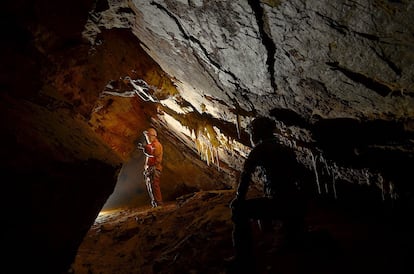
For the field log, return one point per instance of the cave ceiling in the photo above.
(337, 76)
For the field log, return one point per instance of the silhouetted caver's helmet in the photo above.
(262, 128)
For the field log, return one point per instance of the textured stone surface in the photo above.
(172, 239)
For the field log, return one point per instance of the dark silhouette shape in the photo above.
(283, 198)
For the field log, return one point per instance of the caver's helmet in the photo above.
(151, 132)
(262, 128)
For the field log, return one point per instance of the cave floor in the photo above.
(193, 235)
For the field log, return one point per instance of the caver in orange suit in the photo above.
(153, 166)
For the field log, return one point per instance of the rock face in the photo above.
(81, 80)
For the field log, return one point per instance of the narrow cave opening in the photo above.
(130, 188)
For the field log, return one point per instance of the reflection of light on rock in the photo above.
(105, 215)
(208, 141)
(179, 130)
(172, 104)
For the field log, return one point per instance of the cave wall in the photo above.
(48, 144)
(66, 139)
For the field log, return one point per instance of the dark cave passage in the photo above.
(130, 190)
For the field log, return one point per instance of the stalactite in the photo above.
(316, 171)
(324, 170)
(326, 188)
(367, 177)
(207, 150)
(206, 155)
(210, 151)
(238, 125)
(334, 187)
(217, 159)
(381, 182)
(393, 194)
(333, 171)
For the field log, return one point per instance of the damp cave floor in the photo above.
(193, 235)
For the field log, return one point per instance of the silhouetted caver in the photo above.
(153, 151)
(282, 196)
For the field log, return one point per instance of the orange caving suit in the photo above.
(154, 168)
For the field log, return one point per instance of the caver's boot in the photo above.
(154, 203)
